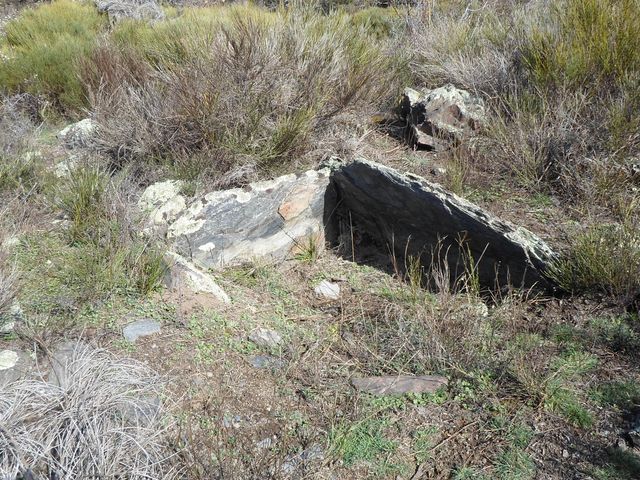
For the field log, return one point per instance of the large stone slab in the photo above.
(267, 220)
(409, 215)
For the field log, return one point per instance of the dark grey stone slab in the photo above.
(409, 215)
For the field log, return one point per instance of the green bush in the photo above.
(585, 43)
(42, 48)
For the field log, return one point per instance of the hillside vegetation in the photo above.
(221, 94)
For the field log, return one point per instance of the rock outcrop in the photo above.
(268, 220)
(118, 10)
(436, 119)
(411, 216)
(163, 203)
(77, 135)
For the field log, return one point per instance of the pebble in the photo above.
(8, 359)
(140, 328)
(264, 337)
(328, 290)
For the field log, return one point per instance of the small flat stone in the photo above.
(7, 328)
(265, 337)
(398, 384)
(293, 462)
(328, 290)
(8, 359)
(266, 361)
(140, 328)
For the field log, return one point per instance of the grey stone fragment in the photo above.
(266, 361)
(412, 215)
(294, 462)
(328, 290)
(267, 220)
(8, 359)
(14, 365)
(398, 384)
(140, 328)
(184, 274)
(265, 338)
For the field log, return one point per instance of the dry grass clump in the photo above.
(604, 258)
(104, 418)
(8, 287)
(105, 233)
(248, 89)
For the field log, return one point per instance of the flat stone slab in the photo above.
(390, 385)
(266, 361)
(410, 216)
(140, 328)
(268, 220)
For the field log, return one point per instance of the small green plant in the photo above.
(619, 333)
(515, 464)
(24, 173)
(308, 250)
(468, 473)
(82, 200)
(623, 394)
(424, 441)
(363, 440)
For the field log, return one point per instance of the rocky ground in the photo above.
(264, 358)
(396, 303)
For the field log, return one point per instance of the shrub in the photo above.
(560, 80)
(245, 88)
(41, 50)
(585, 43)
(105, 417)
(603, 258)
